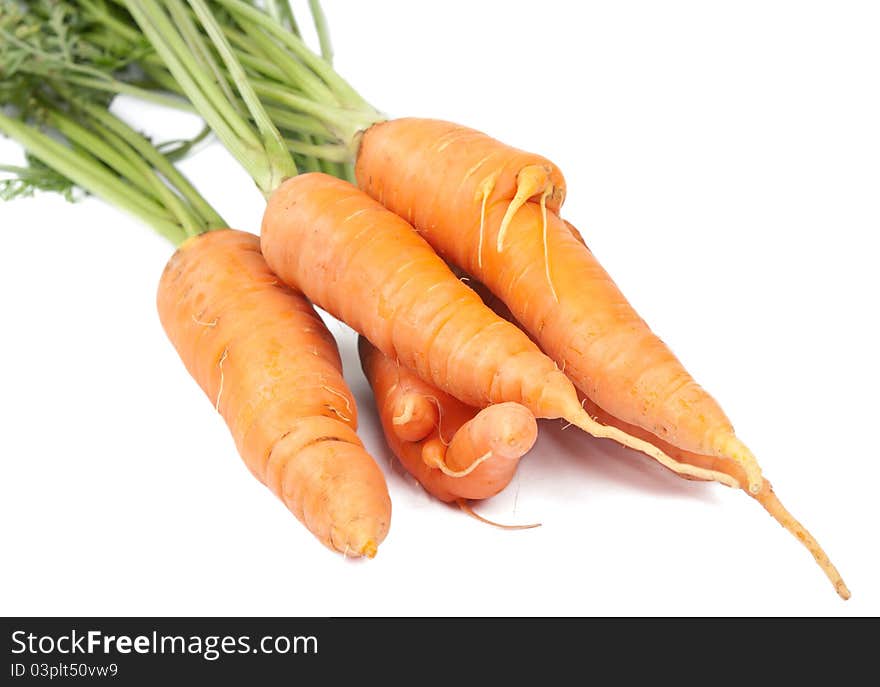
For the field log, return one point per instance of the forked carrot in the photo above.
(466, 453)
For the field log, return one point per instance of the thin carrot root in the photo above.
(768, 499)
(544, 241)
(483, 192)
(414, 416)
(344, 398)
(406, 414)
(220, 389)
(591, 426)
(432, 455)
(466, 507)
(531, 181)
(731, 447)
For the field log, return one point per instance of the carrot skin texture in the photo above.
(463, 435)
(578, 316)
(367, 267)
(271, 368)
(463, 163)
(507, 430)
(565, 300)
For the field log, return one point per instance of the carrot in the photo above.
(265, 359)
(766, 497)
(712, 464)
(256, 347)
(467, 453)
(483, 206)
(551, 282)
(365, 265)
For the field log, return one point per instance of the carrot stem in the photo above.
(281, 11)
(320, 20)
(160, 162)
(281, 163)
(206, 96)
(91, 175)
(346, 94)
(294, 71)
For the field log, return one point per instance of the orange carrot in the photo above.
(365, 265)
(267, 362)
(468, 453)
(256, 347)
(469, 170)
(468, 195)
(713, 464)
(483, 206)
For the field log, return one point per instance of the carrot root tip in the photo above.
(467, 509)
(771, 503)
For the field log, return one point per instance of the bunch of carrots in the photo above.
(479, 308)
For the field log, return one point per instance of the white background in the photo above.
(723, 161)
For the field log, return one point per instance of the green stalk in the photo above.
(297, 122)
(89, 174)
(205, 96)
(301, 91)
(126, 144)
(345, 93)
(329, 152)
(117, 87)
(283, 118)
(182, 18)
(94, 145)
(106, 17)
(269, 81)
(281, 12)
(295, 72)
(159, 161)
(259, 64)
(321, 27)
(344, 124)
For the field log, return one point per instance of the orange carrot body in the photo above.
(367, 267)
(552, 283)
(712, 464)
(464, 166)
(497, 436)
(265, 359)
